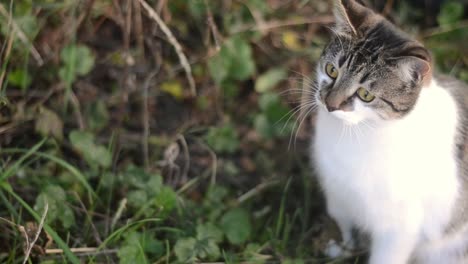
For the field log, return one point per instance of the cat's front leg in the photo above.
(393, 246)
(345, 225)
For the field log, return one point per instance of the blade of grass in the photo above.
(15, 167)
(120, 231)
(75, 172)
(279, 224)
(66, 250)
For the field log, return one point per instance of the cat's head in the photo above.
(370, 69)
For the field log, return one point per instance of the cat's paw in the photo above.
(335, 250)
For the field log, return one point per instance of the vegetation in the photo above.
(170, 132)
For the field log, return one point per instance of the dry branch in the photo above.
(39, 229)
(182, 58)
(22, 36)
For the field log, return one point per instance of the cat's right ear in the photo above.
(352, 18)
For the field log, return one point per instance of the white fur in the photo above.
(396, 180)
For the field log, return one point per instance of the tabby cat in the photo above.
(390, 145)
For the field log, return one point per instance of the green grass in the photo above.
(219, 182)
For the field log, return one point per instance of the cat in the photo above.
(390, 145)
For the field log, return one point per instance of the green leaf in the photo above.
(137, 198)
(233, 62)
(293, 261)
(48, 123)
(166, 199)
(274, 120)
(451, 13)
(78, 60)
(98, 115)
(28, 24)
(133, 249)
(95, 155)
(242, 65)
(154, 185)
(219, 66)
(252, 254)
(20, 78)
(55, 197)
(209, 231)
(184, 250)
(236, 225)
(207, 249)
(223, 139)
(136, 177)
(174, 88)
(213, 201)
(272, 107)
(269, 79)
(263, 126)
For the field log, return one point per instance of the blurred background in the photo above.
(143, 131)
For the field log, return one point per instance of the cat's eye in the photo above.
(331, 71)
(365, 95)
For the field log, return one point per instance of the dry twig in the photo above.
(269, 25)
(22, 36)
(39, 229)
(145, 117)
(182, 58)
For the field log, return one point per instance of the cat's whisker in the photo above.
(300, 124)
(341, 133)
(295, 128)
(291, 114)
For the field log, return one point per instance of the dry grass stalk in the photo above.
(182, 58)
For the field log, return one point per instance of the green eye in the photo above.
(365, 95)
(331, 71)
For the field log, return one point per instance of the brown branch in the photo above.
(269, 25)
(22, 36)
(182, 58)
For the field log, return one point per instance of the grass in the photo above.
(107, 154)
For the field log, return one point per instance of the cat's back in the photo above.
(459, 91)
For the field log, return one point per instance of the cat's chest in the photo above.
(391, 162)
(362, 151)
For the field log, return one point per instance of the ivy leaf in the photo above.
(223, 139)
(233, 62)
(184, 250)
(451, 13)
(98, 115)
(273, 121)
(219, 66)
(209, 231)
(55, 197)
(20, 78)
(236, 225)
(136, 246)
(269, 79)
(166, 200)
(48, 123)
(78, 60)
(154, 185)
(242, 64)
(136, 198)
(207, 249)
(95, 155)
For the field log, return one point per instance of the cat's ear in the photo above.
(415, 69)
(352, 17)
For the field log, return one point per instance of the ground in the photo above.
(172, 132)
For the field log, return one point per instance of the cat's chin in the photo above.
(348, 118)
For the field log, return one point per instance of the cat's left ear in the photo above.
(352, 18)
(415, 69)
